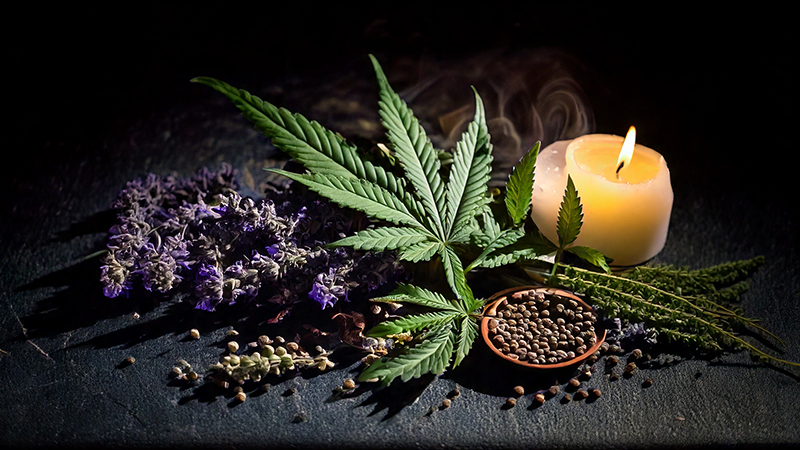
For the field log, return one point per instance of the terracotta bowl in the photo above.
(496, 302)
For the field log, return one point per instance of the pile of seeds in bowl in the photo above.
(540, 328)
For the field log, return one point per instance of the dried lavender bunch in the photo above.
(148, 240)
(227, 248)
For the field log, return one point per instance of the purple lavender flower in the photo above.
(328, 288)
(115, 277)
(209, 287)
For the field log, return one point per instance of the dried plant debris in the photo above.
(269, 360)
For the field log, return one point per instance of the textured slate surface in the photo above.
(100, 102)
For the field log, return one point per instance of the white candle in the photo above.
(625, 210)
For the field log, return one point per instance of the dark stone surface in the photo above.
(95, 99)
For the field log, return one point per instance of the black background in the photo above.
(96, 97)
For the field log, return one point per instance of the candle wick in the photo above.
(622, 163)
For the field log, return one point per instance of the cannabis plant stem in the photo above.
(555, 264)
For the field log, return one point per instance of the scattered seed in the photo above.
(136, 316)
(446, 403)
(611, 360)
(511, 402)
(596, 392)
(349, 384)
(555, 389)
(194, 333)
(233, 332)
(539, 398)
(636, 353)
(454, 393)
(241, 397)
(647, 383)
(519, 390)
(130, 360)
(299, 417)
(630, 367)
(581, 394)
(574, 382)
(566, 398)
(191, 375)
(233, 346)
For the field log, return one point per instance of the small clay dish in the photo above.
(541, 328)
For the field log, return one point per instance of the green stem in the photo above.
(556, 260)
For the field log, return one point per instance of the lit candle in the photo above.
(624, 188)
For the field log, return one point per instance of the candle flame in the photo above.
(626, 152)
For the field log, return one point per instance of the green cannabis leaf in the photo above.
(570, 216)
(568, 227)
(433, 216)
(448, 333)
(520, 187)
(429, 215)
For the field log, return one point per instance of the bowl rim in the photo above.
(494, 301)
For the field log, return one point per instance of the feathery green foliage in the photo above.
(646, 295)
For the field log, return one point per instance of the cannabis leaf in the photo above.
(568, 227)
(448, 332)
(520, 187)
(433, 216)
(423, 215)
(430, 355)
(570, 216)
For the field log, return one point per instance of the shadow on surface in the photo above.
(80, 301)
(396, 396)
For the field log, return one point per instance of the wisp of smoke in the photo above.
(529, 96)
